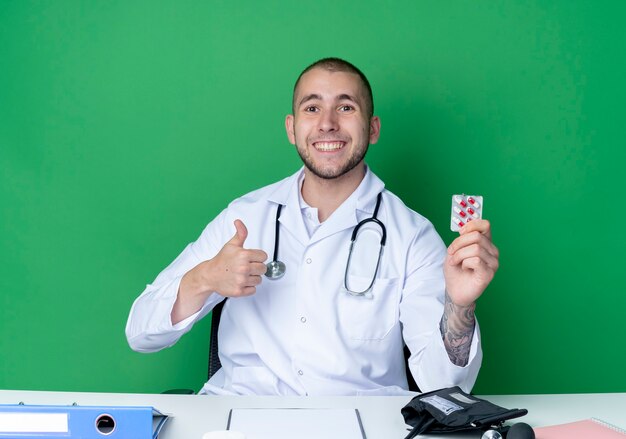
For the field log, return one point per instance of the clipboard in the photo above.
(303, 423)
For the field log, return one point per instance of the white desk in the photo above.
(194, 415)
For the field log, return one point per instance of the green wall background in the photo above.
(126, 126)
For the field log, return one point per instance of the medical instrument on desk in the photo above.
(276, 269)
(519, 430)
(451, 410)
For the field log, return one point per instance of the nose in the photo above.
(329, 122)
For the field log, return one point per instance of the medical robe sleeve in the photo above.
(421, 309)
(149, 327)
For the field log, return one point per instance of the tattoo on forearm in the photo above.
(457, 328)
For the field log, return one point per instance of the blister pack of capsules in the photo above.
(465, 208)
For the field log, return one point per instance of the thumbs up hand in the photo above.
(236, 271)
(241, 234)
(233, 272)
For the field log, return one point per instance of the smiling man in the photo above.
(337, 321)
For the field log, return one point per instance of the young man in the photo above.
(326, 327)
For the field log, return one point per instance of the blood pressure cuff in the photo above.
(451, 409)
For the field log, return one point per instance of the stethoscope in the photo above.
(276, 269)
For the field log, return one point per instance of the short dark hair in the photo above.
(339, 65)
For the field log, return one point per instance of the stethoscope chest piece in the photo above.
(275, 270)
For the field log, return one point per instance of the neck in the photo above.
(328, 194)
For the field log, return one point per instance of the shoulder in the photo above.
(275, 192)
(408, 226)
(251, 208)
(398, 211)
(392, 209)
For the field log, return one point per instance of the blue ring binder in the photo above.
(84, 422)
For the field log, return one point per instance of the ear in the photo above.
(291, 135)
(374, 129)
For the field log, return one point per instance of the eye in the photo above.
(345, 108)
(311, 109)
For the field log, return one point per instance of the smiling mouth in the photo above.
(328, 146)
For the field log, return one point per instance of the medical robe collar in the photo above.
(362, 199)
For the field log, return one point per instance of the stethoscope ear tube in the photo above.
(375, 220)
(383, 240)
(345, 276)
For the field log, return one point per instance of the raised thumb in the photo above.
(240, 235)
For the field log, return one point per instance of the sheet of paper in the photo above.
(301, 423)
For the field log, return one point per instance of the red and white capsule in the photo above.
(473, 202)
(459, 212)
(457, 221)
(460, 201)
(472, 212)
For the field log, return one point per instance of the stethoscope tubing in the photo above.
(276, 233)
(383, 241)
(276, 269)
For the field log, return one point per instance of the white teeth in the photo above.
(328, 146)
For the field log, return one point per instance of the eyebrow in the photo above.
(315, 96)
(310, 97)
(347, 97)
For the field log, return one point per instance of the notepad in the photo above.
(587, 429)
(301, 423)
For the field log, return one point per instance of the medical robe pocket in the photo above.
(371, 316)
